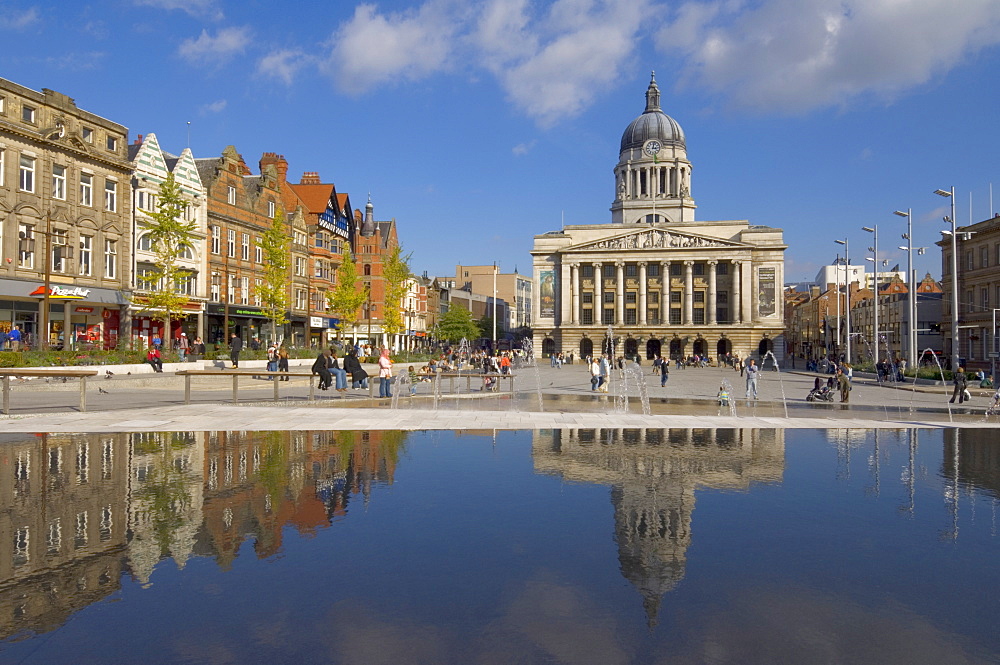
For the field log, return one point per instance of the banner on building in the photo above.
(547, 293)
(765, 292)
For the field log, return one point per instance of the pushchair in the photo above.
(822, 394)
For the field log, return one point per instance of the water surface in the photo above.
(559, 546)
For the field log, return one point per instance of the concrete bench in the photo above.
(468, 376)
(55, 372)
(236, 374)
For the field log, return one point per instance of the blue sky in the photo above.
(480, 123)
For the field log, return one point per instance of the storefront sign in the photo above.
(84, 310)
(62, 292)
(317, 322)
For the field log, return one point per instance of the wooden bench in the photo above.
(54, 372)
(236, 374)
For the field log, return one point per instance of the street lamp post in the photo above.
(950, 194)
(911, 299)
(837, 263)
(874, 260)
(847, 281)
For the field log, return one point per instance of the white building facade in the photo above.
(663, 282)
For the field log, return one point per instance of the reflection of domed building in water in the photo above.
(654, 474)
(667, 283)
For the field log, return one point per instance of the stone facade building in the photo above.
(978, 293)
(152, 166)
(661, 281)
(65, 218)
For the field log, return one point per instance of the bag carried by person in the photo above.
(967, 394)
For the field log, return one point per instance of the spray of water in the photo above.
(781, 382)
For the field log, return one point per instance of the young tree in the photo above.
(345, 299)
(273, 290)
(396, 272)
(457, 323)
(170, 237)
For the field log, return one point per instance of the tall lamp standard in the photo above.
(874, 260)
(954, 277)
(847, 282)
(911, 298)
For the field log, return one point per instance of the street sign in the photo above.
(994, 354)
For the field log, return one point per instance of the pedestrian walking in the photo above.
(183, 346)
(961, 385)
(595, 374)
(664, 374)
(752, 372)
(283, 362)
(235, 346)
(603, 374)
(272, 359)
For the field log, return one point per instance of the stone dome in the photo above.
(652, 124)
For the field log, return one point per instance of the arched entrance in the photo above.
(631, 347)
(765, 345)
(699, 347)
(586, 347)
(653, 348)
(548, 346)
(676, 348)
(723, 347)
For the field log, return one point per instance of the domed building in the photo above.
(663, 282)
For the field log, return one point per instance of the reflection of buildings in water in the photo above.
(978, 459)
(79, 510)
(258, 482)
(166, 490)
(63, 519)
(654, 474)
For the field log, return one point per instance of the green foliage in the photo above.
(486, 327)
(457, 323)
(170, 236)
(273, 291)
(396, 272)
(345, 299)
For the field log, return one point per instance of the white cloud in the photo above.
(523, 148)
(554, 65)
(796, 55)
(215, 107)
(372, 48)
(17, 19)
(208, 50)
(200, 8)
(282, 64)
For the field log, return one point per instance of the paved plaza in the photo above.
(545, 398)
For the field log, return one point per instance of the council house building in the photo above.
(663, 282)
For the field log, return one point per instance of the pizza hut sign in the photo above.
(63, 292)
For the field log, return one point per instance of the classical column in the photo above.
(564, 292)
(746, 292)
(734, 298)
(574, 285)
(620, 293)
(688, 293)
(642, 293)
(711, 292)
(664, 293)
(598, 294)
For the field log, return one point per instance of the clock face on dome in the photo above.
(652, 147)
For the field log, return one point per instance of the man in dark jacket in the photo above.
(322, 367)
(359, 377)
(235, 346)
(961, 383)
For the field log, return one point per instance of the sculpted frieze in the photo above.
(656, 239)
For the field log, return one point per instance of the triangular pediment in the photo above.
(654, 239)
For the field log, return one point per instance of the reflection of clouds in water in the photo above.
(355, 634)
(545, 620)
(550, 621)
(804, 626)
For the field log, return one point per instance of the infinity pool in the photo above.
(554, 546)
